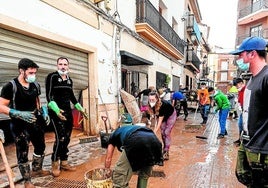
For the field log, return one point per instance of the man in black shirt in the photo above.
(59, 93)
(252, 162)
(20, 99)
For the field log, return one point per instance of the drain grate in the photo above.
(156, 173)
(63, 183)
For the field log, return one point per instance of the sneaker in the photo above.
(220, 136)
(185, 119)
(165, 155)
(225, 133)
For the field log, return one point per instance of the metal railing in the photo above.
(192, 58)
(147, 13)
(262, 33)
(262, 4)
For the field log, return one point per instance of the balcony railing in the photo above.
(262, 33)
(192, 27)
(147, 13)
(193, 59)
(262, 4)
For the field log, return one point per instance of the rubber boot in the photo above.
(25, 173)
(142, 183)
(64, 165)
(55, 168)
(37, 166)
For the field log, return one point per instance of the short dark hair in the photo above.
(238, 80)
(26, 63)
(60, 58)
(210, 89)
(203, 83)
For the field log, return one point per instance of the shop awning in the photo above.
(130, 59)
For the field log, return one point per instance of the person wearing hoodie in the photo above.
(223, 106)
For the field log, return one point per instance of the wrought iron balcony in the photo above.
(192, 61)
(262, 33)
(257, 6)
(151, 25)
(193, 29)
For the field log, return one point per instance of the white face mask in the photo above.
(152, 104)
(31, 78)
(63, 73)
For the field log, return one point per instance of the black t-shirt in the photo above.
(166, 110)
(255, 114)
(25, 98)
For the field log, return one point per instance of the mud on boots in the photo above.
(37, 165)
(64, 165)
(26, 174)
(55, 168)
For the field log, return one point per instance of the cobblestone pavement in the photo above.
(193, 162)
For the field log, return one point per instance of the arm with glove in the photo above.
(81, 109)
(53, 106)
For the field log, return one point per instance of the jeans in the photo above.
(223, 114)
(240, 123)
(204, 110)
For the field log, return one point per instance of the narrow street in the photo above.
(193, 162)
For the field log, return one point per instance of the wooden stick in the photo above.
(7, 167)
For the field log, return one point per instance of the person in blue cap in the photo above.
(252, 158)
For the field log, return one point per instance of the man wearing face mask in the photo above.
(20, 99)
(252, 158)
(59, 93)
(204, 102)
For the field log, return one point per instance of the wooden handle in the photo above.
(7, 167)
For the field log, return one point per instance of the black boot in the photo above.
(26, 175)
(37, 166)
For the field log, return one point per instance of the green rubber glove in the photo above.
(23, 115)
(53, 106)
(81, 109)
(44, 112)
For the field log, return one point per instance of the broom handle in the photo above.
(7, 167)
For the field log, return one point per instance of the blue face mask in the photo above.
(241, 65)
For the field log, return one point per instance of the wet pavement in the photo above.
(193, 162)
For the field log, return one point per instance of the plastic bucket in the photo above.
(99, 178)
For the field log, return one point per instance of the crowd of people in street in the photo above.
(139, 145)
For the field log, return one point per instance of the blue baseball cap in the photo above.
(251, 43)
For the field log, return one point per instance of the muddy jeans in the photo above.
(166, 128)
(122, 173)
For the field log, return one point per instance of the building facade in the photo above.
(111, 45)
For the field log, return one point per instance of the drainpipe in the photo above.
(117, 60)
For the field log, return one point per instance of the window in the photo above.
(223, 76)
(224, 65)
(256, 31)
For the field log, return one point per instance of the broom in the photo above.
(203, 135)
